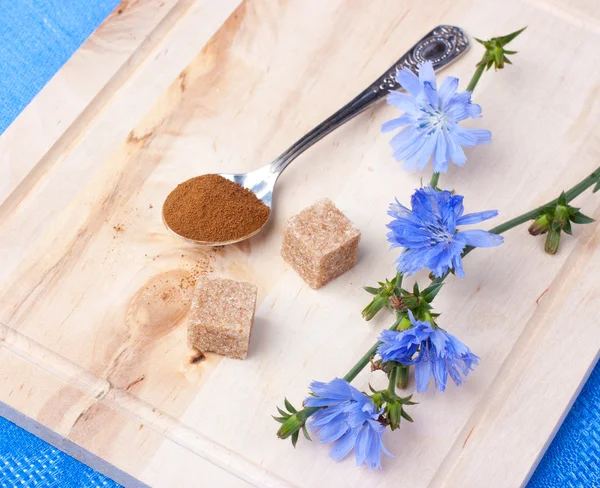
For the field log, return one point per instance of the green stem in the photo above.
(434, 180)
(393, 379)
(574, 192)
(473, 83)
(362, 362)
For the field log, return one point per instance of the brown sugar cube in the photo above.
(222, 316)
(320, 243)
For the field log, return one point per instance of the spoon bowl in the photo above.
(261, 182)
(441, 46)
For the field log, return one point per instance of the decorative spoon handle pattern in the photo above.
(441, 46)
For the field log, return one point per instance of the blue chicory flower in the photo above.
(349, 421)
(428, 232)
(430, 121)
(438, 353)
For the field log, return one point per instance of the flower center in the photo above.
(439, 232)
(432, 119)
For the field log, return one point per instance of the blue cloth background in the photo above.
(28, 461)
(36, 38)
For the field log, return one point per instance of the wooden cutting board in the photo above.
(96, 291)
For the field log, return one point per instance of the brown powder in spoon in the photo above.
(211, 208)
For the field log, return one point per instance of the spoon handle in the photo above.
(441, 46)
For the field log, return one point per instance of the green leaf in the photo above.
(429, 293)
(579, 218)
(289, 406)
(305, 432)
(295, 438)
(597, 187)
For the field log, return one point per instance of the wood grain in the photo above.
(97, 291)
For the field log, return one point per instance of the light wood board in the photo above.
(96, 291)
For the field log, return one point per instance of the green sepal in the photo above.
(579, 218)
(406, 416)
(295, 438)
(429, 293)
(371, 290)
(398, 283)
(402, 376)
(509, 37)
(539, 226)
(495, 54)
(289, 406)
(552, 241)
(378, 303)
(562, 199)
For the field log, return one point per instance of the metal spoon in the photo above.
(441, 46)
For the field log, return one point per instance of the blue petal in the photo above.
(332, 431)
(427, 75)
(344, 445)
(368, 448)
(402, 101)
(440, 161)
(457, 266)
(440, 374)
(476, 217)
(423, 374)
(426, 150)
(457, 155)
(480, 238)
(394, 124)
(483, 136)
(431, 94)
(404, 138)
(374, 449)
(447, 90)
(337, 390)
(409, 81)
(409, 148)
(324, 416)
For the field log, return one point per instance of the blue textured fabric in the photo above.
(36, 38)
(28, 461)
(573, 458)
